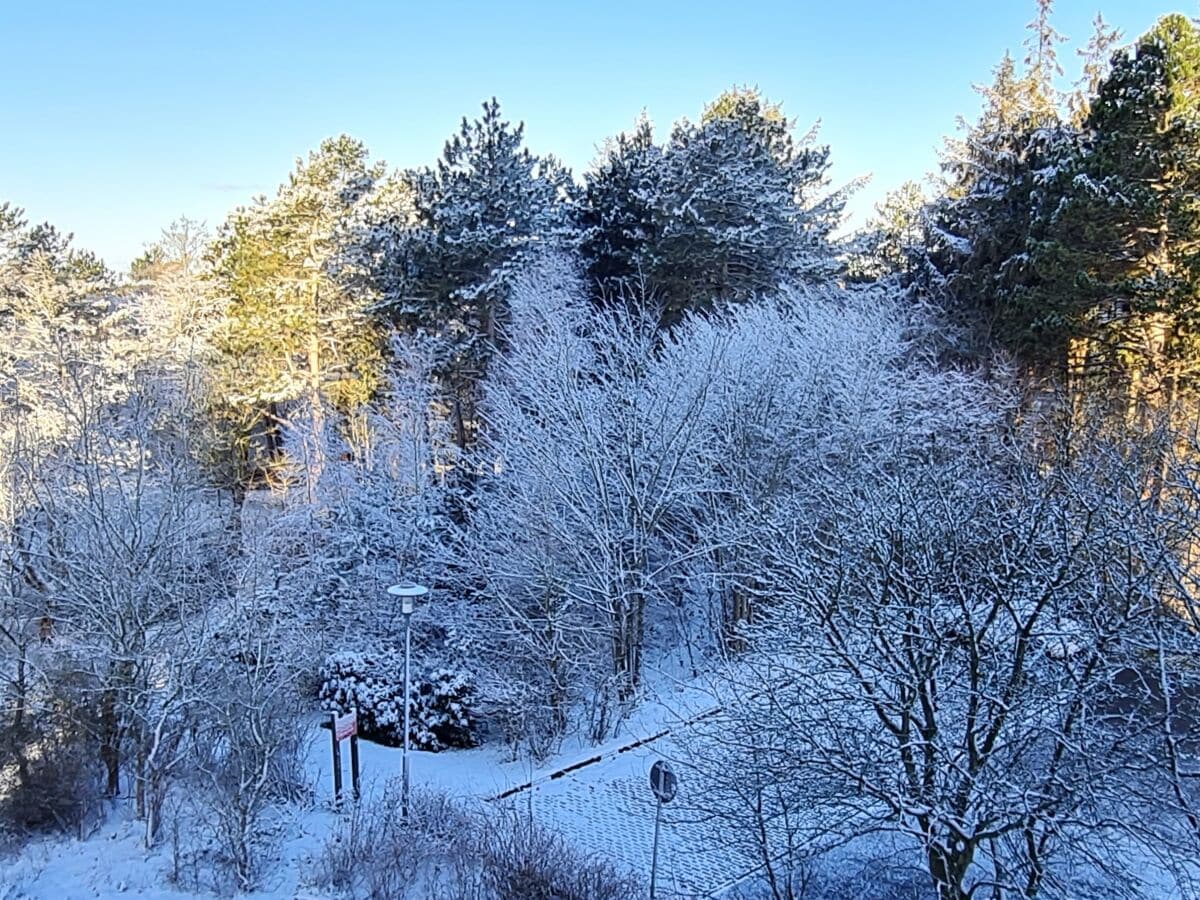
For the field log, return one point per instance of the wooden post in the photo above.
(337, 761)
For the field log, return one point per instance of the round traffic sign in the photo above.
(663, 781)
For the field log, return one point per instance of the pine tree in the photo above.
(297, 334)
(616, 212)
(728, 209)
(739, 210)
(1120, 264)
(488, 207)
(52, 296)
(179, 251)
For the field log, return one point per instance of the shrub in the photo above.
(55, 784)
(443, 702)
(374, 853)
(443, 850)
(524, 862)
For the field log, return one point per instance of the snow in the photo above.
(603, 807)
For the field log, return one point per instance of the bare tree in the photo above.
(247, 744)
(590, 455)
(959, 649)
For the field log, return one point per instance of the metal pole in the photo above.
(354, 755)
(654, 852)
(407, 705)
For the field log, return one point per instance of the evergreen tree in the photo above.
(179, 251)
(297, 333)
(1120, 263)
(730, 208)
(1041, 59)
(982, 226)
(893, 242)
(488, 207)
(53, 296)
(738, 211)
(1096, 56)
(616, 211)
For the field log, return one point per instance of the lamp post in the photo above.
(408, 593)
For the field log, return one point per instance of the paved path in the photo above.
(606, 809)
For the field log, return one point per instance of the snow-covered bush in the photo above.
(443, 713)
(521, 861)
(247, 755)
(374, 852)
(446, 850)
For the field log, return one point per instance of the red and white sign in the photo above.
(345, 726)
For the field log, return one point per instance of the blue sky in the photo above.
(119, 116)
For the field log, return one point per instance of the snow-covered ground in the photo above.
(603, 806)
(596, 796)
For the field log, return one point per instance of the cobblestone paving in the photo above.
(607, 810)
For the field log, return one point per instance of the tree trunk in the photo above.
(948, 868)
(315, 464)
(110, 752)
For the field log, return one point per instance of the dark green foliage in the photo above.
(442, 714)
(479, 217)
(1119, 262)
(616, 212)
(727, 210)
(1075, 246)
(893, 242)
(39, 269)
(980, 230)
(488, 206)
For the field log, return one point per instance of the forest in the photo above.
(892, 531)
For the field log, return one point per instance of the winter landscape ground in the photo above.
(883, 535)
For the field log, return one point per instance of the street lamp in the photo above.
(408, 593)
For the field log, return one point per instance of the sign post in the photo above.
(665, 786)
(337, 760)
(354, 755)
(340, 728)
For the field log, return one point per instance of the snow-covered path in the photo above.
(596, 797)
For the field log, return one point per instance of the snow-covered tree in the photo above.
(110, 542)
(894, 239)
(62, 332)
(1119, 270)
(488, 207)
(744, 207)
(616, 212)
(298, 336)
(594, 446)
(809, 383)
(731, 208)
(965, 647)
(982, 229)
(326, 548)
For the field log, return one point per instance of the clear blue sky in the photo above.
(119, 116)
